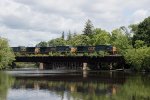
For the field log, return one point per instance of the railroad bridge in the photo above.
(77, 61)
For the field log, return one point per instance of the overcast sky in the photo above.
(27, 22)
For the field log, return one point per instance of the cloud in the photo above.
(27, 38)
(14, 22)
(26, 22)
(139, 15)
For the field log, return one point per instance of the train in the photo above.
(65, 49)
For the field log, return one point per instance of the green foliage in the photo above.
(93, 54)
(143, 31)
(120, 40)
(146, 63)
(102, 53)
(81, 40)
(88, 30)
(50, 53)
(138, 58)
(17, 54)
(139, 44)
(98, 31)
(56, 54)
(42, 44)
(133, 27)
(57, 42)
(6, 54)
(85, 54)
(25, 65)
(101, 37)
(70, 54)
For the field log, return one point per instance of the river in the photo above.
(73, 85)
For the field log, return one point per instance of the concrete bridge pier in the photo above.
(41, 66)
(85, 73)
(110, 66)
(85, 66)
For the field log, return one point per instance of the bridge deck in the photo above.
(47, 59)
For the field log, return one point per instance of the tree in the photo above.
(74, 34)
(97, 31)
(101, 37)
(143, 32)
(63, 35)
(126, 32)
(69, 36)
(6, 53)
(88, 30)
(134, 28)
(81, 40)
(120, 40)
(57, 42)
(42, 44)
(139, 44)
(138, 58)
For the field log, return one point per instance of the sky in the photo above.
(27, 22)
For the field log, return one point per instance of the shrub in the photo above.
(138, 58)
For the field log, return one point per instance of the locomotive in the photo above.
(65, 49)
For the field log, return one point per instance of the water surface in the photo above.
(73, 85)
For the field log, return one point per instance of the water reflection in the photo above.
(6, 81)
(135, 88)
(76, 86)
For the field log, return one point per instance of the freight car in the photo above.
(45, 50)
(90, 49)
(85, 49)
(63, 49)
(20, 49)
(107, 48)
